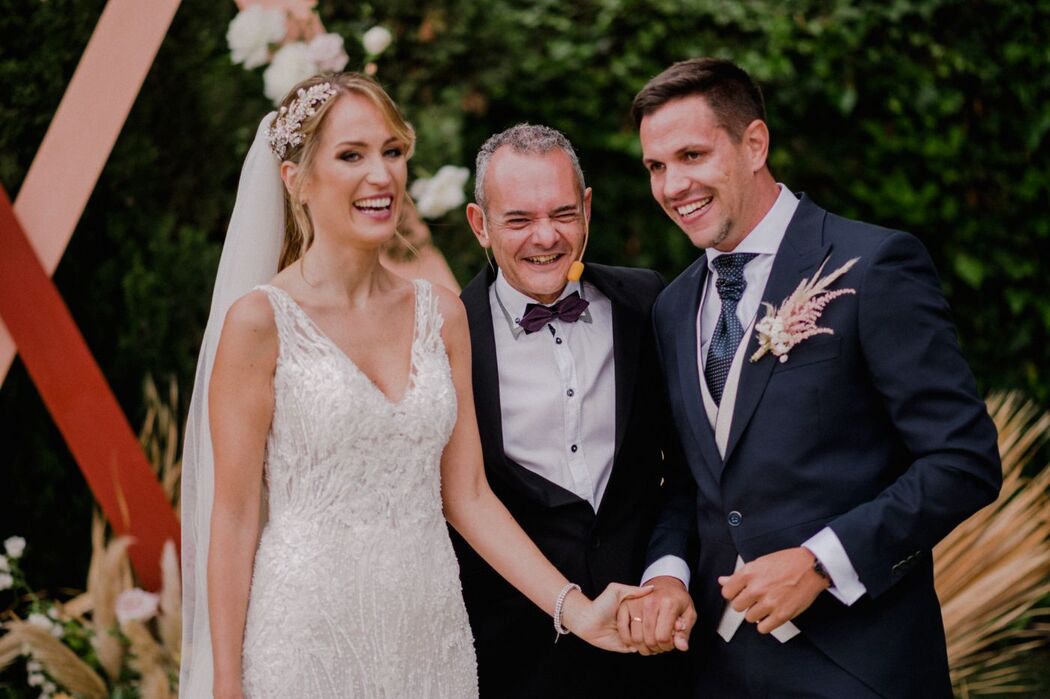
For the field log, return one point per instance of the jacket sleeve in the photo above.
(675, 531)
(929, 394)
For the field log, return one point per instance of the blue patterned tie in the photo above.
(728, 332)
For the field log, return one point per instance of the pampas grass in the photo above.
(149, 660)
(160, 435)
(994, 569)
(108, 575)
(169, 618)
(136, 656)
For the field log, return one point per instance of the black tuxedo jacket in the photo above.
(876, 431)
(515, 639)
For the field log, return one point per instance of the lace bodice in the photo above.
(355, 590)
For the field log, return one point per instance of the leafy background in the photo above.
(926, 115)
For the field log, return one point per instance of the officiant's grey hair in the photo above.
(525, 139)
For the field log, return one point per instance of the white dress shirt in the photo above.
(557, 390)
(764, 241)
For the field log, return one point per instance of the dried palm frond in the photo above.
(994, 569)
(109, 574)
(10, 650)
(169, 617)
(58, 660)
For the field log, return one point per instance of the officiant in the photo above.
(573, 422)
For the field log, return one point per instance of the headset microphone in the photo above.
(576, 268)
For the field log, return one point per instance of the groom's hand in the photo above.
(660, 621)
(775, 588)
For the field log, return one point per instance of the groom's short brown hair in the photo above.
(732, 95)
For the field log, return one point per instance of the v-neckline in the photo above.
(409, 384)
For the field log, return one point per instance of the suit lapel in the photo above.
(487, 407)
(688, 368)
(485, 368)
(800, 253)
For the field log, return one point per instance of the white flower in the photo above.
(251, 32)
(49, 689)
(289, 66)
(34, 666)
(376, 40)
(4, 565)
(14, 545)
(437, 195)
(35, 679)
(326, 50)
(6, 581)
(136, 605)
(42, 621)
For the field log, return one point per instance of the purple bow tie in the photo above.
(568, 309)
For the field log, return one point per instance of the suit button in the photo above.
(735, 518)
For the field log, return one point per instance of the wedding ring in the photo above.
(637, 618)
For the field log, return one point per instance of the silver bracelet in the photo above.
(558, 628)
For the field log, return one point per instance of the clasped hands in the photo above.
(771, 590)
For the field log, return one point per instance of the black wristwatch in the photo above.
(821, 570)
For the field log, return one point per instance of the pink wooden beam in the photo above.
(84, 129)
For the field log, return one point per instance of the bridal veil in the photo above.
(250, 257)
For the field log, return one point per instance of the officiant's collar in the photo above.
(512, 302)
(765, 238)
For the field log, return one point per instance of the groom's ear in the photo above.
(476, 219)
(756, 140)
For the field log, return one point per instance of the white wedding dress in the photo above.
(355, 590)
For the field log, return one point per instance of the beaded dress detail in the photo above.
(355, 590)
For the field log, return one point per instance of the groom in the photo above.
(572, 417)
(823, 470)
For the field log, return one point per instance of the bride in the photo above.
(342, 434)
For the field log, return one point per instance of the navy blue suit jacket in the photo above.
(876, 431)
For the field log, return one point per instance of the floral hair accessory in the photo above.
(286, 130)
(796, 319)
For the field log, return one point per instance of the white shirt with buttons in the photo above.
(558, 390)
(763, 240)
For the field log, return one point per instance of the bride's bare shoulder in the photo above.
(449, 306)
(251, 317)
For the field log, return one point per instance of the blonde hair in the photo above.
(298, 230)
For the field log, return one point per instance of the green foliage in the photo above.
(926, 115)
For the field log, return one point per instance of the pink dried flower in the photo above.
(781, 329)
(136, 605)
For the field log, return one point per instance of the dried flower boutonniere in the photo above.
(796, 319)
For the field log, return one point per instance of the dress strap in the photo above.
(296, 332)
(428, 318)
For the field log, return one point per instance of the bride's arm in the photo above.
(240, 409)
(482, 519)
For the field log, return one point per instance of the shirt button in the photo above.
(735, 518)
(557, 340)
(570, 393)
(573, 448)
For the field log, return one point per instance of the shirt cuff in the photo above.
(668, 565)
(845, 583)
